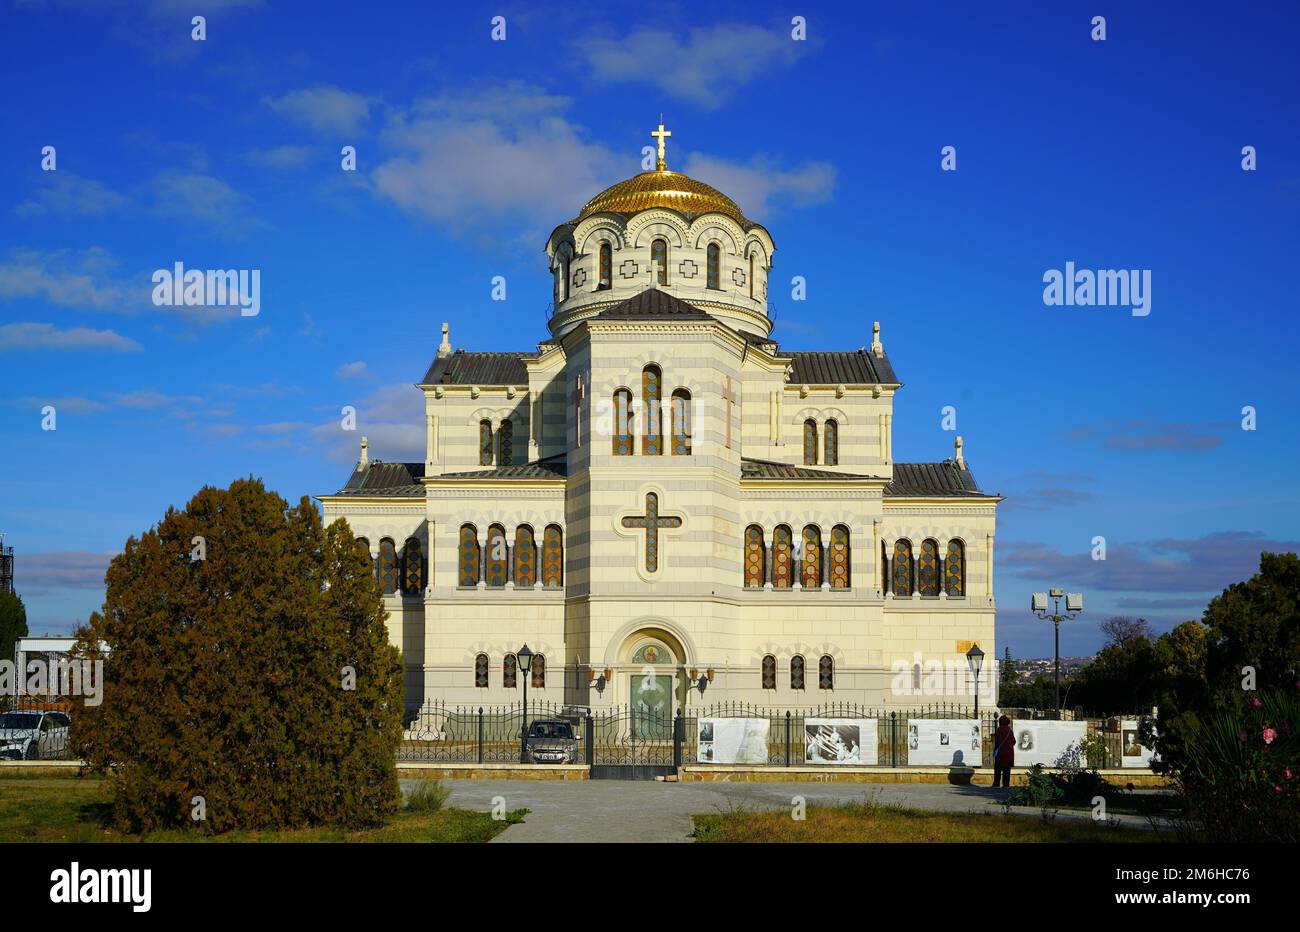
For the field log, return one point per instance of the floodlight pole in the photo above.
(1056, 616)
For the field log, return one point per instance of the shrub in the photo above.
(427, 796)
(229, 627)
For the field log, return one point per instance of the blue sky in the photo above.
(1124, 153)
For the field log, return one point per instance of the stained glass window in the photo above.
(366, 545)
(606, 267)
(927, 570)
(955, 569)
(539, 671)
(755, 558)
(651, 398)
(769, 672)
(470, 560)
(525, 557)
(659, 259)
(903, 568)
(506, 442)
(782, 558)
(831, 441)
(496, 556)
(714, 266)
(812, 558)
(681, 422)
(481, 670)
(510, 672)
(796, 671)
(552, 558)
(751, 276)
(839, 559)
(622, 422)
(810, 442)
(412, 567)
(826, 672)
(485, 443)
(388, 565)
(652, 521)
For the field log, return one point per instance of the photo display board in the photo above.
(839, 740)
(1042, 742)
(1131, 751)
(945, 742)
(732, 740)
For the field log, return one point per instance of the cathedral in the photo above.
(668, 507)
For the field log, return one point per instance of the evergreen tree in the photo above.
(13, 623)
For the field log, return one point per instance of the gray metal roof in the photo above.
(654, 303)
(766, 469)
(945, 479)
(553, 468)
(462, 368)
(377, 478)
(856, 367)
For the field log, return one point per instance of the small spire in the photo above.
(957, 454)
(444, 348)
(877, 347)
(365, 453)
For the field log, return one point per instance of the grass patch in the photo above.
(75, 808)
(868, 821)
(428, 796)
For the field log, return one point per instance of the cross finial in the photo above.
(661, 134)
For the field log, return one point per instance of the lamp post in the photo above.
(524, 658)
(975, 657)
(1073, 607)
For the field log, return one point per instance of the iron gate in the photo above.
(627, 743)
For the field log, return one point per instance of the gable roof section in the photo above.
(933, 480)
(856, 367)
(553, 468)
(767, 469)
(382, 480)
(653, 304)
(462, 368)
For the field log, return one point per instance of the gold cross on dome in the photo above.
(661, 134)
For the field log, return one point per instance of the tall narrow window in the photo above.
(812, 558)
(538, 667)
(565, 289)
(496, 556)
(388, 565)
(525, 558)
(485, 443)
(714, 266)
(769, 671)
(810, 442)
(796, 671)
(506, 443)
(510, 672)
(606, 267)
(481, 671)
(681, 422)
(623, 422)
(751, 276)
(652, 443)
(470, 558)
(412, 567)
(553, 557)
(755, 558)
(782, 570)
(902, 577)
(826, 672)
(839, 557)
(366, 546)
(955, 569)
(659, 260)
(927, 570)
(831, 442)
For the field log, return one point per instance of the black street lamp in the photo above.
(975, 657)
(524, 659)
(1073, 606)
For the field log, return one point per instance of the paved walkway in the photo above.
(650, 811)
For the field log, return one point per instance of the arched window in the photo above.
(510, 672)
(714, 266)
(955, 569)
(831, 443)
(481, 671)
(525, 558)
(623, 422)
(366, 544)
(470, 558)
(810, 442)
(782, 570)
(496, 556)
(755, 558)
(927, 570)
(539, 671)
(485, 443)
(826, 672)
(506, 443)
(839, 559)
(769, 672)
(388, 565)
(903, 568)
(812, 557)
(553, 557)
(412, 567)
(796, 671)
(606, 279)
(751, 276)
(659, 260)
(681, 422)
(652, 442)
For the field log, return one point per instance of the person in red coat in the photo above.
(1004, 752)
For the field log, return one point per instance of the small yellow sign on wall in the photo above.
(963, 646)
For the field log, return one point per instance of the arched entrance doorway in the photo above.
(652, 680)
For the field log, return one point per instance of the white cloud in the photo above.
(324, 108)
(280, 156)
(759, 185)
(210, 200)
(351, 370)
(64, 192)
(72, 279)
(37, 336)
(391, 418)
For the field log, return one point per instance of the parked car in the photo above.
(550, 741)
(33, 734)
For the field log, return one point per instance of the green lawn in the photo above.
(72, 808)
(869, 822)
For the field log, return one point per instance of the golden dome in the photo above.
(662, 188)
